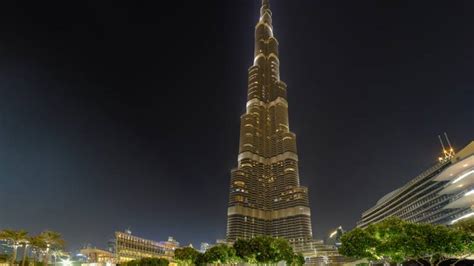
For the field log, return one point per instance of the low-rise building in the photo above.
(129, 247)
(98, 257)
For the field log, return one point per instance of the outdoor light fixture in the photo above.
(66, 262)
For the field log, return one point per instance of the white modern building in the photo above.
(443, 194)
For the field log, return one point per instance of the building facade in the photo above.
(266, 197)
(98, 257)
(443, 194)
(129, 247)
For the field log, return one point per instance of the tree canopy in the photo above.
(186, 255)
(220, 254)
(264, 249)
(44, 245)
(395, 240)
(148, 262)
(258, 250)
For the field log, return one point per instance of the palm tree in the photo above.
(51, 241)
(15, 239)
(38, 246)
(25, 243)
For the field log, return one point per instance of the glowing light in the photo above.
(462, 217)
(469, 193)
(66, 262)
(333, 234)
(463, 176)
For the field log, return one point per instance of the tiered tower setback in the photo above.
(265, 193)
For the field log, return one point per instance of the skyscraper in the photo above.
(265, 193)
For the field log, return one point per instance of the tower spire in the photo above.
(266, 3)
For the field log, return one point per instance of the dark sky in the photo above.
(117, 115)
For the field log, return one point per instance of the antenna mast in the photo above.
(448, 154)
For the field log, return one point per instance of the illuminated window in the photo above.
(239, 198)
(239, 183)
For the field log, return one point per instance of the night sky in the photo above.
(126, 115)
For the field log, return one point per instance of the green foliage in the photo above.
(258, 250)
(466, 229)
(38, 243)
(14, 238)
(359, 244)
(52, 239)
(390, 238)
(244, 250)
(201, 259)
(282, 250)
(44, 244)
(466, 226)
(298, 260)
(186, 256)
(442, 243)
(148, 262)
(395, 240)
(220, 254)
(264, 249)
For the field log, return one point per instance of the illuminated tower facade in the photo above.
(265, 193)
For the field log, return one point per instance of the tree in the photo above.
(245, 251)
(201, 259)
(186, 256)
(442, 243)
(282, 250)
(46, 243)
(390, 236)
(394, 240)
(38, 246)
(148, 262)
(264, 249)
(414, 242)
(298, 260)
(359, 244)
(15, 239)
(221, 254)
(466, 227)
